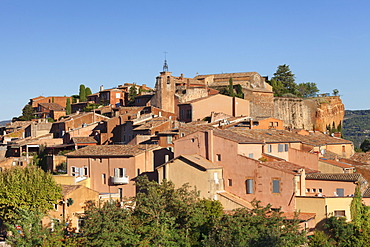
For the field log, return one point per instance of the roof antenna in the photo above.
(165, 66)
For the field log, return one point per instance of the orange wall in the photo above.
(329, 187)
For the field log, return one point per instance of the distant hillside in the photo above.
(356, 126)
(3, 123)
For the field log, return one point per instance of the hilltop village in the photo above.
(277, 150)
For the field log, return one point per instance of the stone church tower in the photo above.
(164, 97)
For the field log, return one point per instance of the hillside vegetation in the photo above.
(356, 126)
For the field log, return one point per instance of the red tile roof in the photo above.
(288, 167)
(112, 150)
(336, 163)
(347, 177)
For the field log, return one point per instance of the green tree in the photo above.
(28, 231)
(365, 145)
(239, 91)
(27, 113)
(87, 91)
(162, 216)
(285, 78)
(29, 188)
(257, 227)
(132, 93)
(277, 87)
(82, 93)
(109, 225)
(230, 89)
(68, 106)
(357, 208)
(307, 89)
(335, 92)
(320, 239)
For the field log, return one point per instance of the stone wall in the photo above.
(296, 113)
(309, 114)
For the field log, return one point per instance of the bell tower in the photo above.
(164, 97)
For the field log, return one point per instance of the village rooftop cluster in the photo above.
(232, 149)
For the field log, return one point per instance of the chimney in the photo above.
(101, 88)
(210, 155)
(234, 106)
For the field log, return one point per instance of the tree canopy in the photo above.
(365, 145)
(132, 93)
(27, 113)
(283, 84)
(82, 93)
(167, 216)
(29, 188)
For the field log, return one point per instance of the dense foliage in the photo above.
(26, 188)
(283, 84)
(356, 126)
(28, 113)
(162, 215)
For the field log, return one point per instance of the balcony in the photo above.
(120, 180)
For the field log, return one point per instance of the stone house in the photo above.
(60, 100)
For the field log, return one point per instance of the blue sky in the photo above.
(49, 47)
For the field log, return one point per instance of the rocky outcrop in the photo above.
(330, 111)
(310, 114)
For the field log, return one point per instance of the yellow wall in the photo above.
(324, 207)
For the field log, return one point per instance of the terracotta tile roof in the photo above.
(347, 177)
(268, 136)
(314, 139)
(17, 124)
(52, 106)
(235, 199)
(199, 160)
(66, 189)
(301, 216)
(336, 163)
(152, 123)
(89, 139)
(330, 155)
(288, 167)
(361, 157)
(75, 116)
(112, 150)
(235, 137)
(366, 192)
(227, 75)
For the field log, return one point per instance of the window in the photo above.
(320, 190)
(275, 186)
(269, 148)
(182, 113)
(286, 147)
(276, 124)
(340, 192)
(55, 207)
(250, 155)
(281, 148)
(104, 178)
(218, 156)
(85, 171)
(343, 149)
(120, 172)
(188, 114)
(249, 184)
(314, 190)
(340, 213)
(138, 171)
(169, 139)
(271, 124)
(230, 182)
(307, 190)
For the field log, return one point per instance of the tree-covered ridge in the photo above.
(356, 126)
